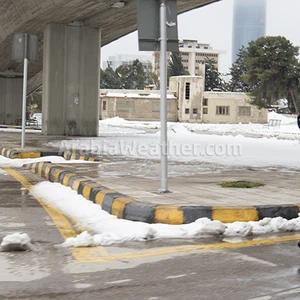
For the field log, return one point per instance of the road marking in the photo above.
(254, 259)
(64, 225)
(119, 281)
(175, 276)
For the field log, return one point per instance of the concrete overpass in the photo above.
(71, 33)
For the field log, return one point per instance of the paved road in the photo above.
(173, 269)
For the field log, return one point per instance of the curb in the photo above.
(18, 127)
(125, 207)
(13, 154)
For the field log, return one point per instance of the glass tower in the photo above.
(249, 23)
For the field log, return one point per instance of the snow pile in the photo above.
(284, 120)
(107, 229)
(114, 121)
(18, 163)
(16, 242)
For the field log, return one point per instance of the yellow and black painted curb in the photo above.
(12, 153)
(18, 127)
(125, 207)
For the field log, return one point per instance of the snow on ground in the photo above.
(15, 242)
(208, 144)
(18, 163)
(107, 229)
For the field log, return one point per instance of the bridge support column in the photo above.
(10, 99)
(71, 80)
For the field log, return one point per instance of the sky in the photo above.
(213, 24)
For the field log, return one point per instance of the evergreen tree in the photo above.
(175, 66)
(213, 78)
(237, 70)
(272, 70)
(109, 79)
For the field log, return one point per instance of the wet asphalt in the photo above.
(51, 272)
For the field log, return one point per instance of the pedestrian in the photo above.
(298, 121)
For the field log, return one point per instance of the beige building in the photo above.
(192, 54)
(187, 102)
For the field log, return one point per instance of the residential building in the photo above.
(249, 23)
(193, 54)
(126, 60)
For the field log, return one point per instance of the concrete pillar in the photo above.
(71, 80)
(10, 99)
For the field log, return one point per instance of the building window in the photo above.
(205, 102)
(205, 110)
(104, 105)
(125, 106)
(187, 111)
(187, 91)
(245, 110)
(222, 110)
(195, 111)
(156, 107)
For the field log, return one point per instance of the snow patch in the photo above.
(16, 242)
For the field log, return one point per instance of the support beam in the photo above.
(71, 80)
(10, 99)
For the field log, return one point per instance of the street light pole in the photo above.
(163, 97)
(24, 90)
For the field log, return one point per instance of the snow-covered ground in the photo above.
(226, 144)
(107, 229)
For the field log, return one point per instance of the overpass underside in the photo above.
(71, 33)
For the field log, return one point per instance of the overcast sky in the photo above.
(213, 24)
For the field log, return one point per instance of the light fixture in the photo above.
(118, 4)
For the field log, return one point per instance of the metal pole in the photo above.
(163, 97)
(24, 91)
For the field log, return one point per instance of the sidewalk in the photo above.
(191, 185)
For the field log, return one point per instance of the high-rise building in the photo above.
(249, 23)
(193, 54)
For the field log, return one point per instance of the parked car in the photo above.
(38, 117)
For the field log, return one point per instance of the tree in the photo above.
(237, 70)
(272, 70)
(213, 78)
(109, 79)
(175, 66)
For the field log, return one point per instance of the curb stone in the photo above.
(13, 154)
(125, 207)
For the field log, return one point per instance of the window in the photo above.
(222, 110)
(195, 111)
(187, 111)
(244, 110)
(187, 91)
(125, 106)
(156, 107)
(205, 102)
(205, 110)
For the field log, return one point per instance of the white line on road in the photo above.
(119, 281)
(176, 276)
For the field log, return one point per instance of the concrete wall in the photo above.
(237, 112)
(71, 78)
(134, 107)
(10, 100)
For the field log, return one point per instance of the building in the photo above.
(126, 60)
(192, 54)
(249, 23)
(186, 102)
